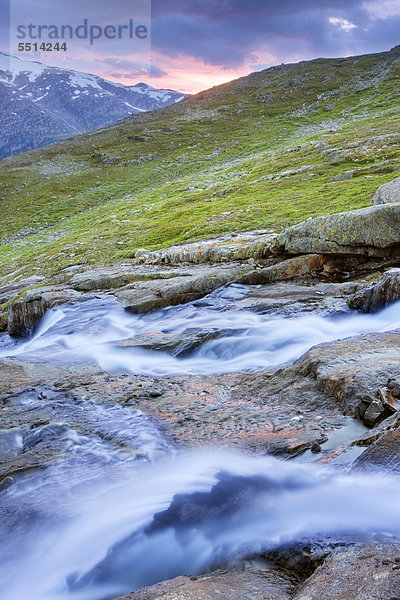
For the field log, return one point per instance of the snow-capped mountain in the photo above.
(41, 104)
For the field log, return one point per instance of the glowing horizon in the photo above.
(194, 47)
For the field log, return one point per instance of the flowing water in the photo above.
(123, 508)
(245, 340)
(131, 526)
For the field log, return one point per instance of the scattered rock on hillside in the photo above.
(378, 294)
(388, 193)
(345, 176)
(372, 231)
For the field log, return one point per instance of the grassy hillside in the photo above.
(258, 152)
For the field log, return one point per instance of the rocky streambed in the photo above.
(233, 434)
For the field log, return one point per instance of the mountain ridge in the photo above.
(41, 104)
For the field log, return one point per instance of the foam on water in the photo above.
(98, 523)
(93, 332)
(198, 510)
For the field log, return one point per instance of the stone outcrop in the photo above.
(285, 270)
(361, 572)
(144, 296)
(327, 246)
(111, 277)
(378, 294)
(370, 232)
(388, 193)
(10, 291)
(140, 289)
(384, 452)
(3, 321)
(254, 245)
(250, 582)
(24, 315)
(356, 372)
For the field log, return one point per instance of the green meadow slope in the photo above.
(258, 152)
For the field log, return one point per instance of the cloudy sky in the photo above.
(199, 43)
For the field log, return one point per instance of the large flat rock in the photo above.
(354, 371)
(227, 248)
(144, 296)
(372, 231)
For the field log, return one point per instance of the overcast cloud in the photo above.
(200, 43)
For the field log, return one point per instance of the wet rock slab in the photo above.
(247, 583)
(299, 296)
(355, 371)
(357, 573)
(219, 410)
(244, 412)
(12, 377)
(378, 294)
(283, 411)
(383, 454)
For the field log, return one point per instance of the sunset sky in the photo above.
(197, 44)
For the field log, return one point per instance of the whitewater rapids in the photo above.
(196, 511)
(94, 332)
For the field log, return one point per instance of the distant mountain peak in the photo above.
(41, 104)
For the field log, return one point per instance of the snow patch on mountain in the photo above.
(40, 104)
